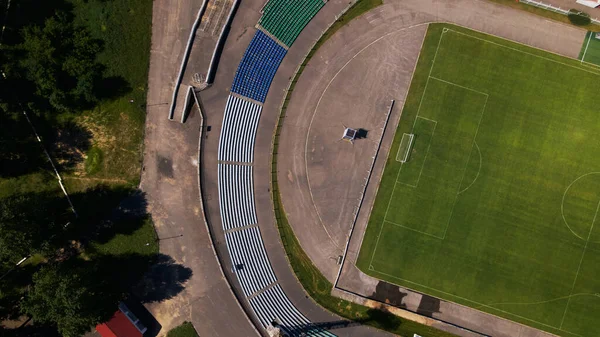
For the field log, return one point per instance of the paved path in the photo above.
(169, 179)
(351, 81)
(568, 4)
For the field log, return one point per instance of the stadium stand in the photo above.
(249, 260)
(285, 19)
(236, 196)
(238, 132)
(273, 305)
(258, 67)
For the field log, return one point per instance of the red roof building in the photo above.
(122, 324)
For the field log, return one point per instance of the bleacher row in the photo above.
(236, 196)
(249, 259)
(251, 83)
(273, 302)
(258, 67)
(286, 19)
(240, 121)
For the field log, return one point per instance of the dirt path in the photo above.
(350, 81)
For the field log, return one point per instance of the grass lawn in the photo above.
(184, 330)
(590, 51)
(142, 241)
(497, 205)
(116, 124)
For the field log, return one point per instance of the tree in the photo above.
(72, 296)
(31, 223)
(60, 60)
(578, 17)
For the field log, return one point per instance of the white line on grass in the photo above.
(478, 170)
(544, 302)
(460, 86)
(426, 152)
(580, 263)
(474, 302)
(586, 46)
(466, 165)
(413, 127)
(414, 230)
(562, 204)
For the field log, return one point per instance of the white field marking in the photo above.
(381, 229)
(478, 170)
(424, 160)
(319, 103)
(544, 302)
(418, 109)
(586, 46)
(405, 184)
(427, 119)
(460, 86)
(580, 263)
(481, 305)
(562, 204)
(590, 65)
(527, 53)
(414, 230)
(466, 165)
(406, 154)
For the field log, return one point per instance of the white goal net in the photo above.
(405, 147)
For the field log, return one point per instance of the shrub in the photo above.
(578, 17)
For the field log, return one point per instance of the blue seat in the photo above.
(258, 67)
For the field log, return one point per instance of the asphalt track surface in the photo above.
(351, 81)
(169, 177)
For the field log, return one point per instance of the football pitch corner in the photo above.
(495, 205)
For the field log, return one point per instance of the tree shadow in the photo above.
(105, 211)
(31, 330)
(20, 151)
(111, 87)
(163, 281)
(381, 318)
(22, 154)
(70, 143)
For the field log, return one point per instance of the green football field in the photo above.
(496, 206)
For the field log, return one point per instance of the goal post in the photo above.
(405, 147)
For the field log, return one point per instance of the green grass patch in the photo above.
(314, 283)
(117, 123)
(590, 50)
(501, 214)
(184, 330)
(43, 181)
(141, 240)
(93, 161)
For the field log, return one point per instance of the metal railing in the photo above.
(552, 8)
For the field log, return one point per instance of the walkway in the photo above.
(169, 179)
